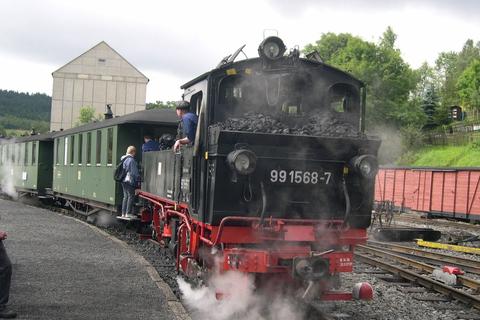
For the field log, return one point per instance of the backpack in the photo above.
(119, 174)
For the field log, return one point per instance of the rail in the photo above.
(380, 261)
(440, 223)
(468, 265)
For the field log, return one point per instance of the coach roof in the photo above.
(35, 137)
(153, 116)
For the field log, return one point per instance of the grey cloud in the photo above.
(46, 34)
(466, 8)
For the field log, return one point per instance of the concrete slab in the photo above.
(63, 269)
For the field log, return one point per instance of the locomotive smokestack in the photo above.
(109, 113)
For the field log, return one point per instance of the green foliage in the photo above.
(12, 122)
(412, 137)
(3, 132)
(389, 79)
(161, 105)
(24, 111)
(16, 133)
(468, 85)
(430, 102)
(87, 115)
(449, 68)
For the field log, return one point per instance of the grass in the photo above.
(444, 156)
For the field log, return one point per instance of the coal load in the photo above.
(314, 124)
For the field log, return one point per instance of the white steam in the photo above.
(240, 300)
(391, 148)
(7, 185)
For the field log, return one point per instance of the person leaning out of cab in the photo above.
(187, 126)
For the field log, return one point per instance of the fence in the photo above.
(460, 134)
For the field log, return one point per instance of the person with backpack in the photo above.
(129, 178)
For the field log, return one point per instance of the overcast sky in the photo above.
(171, 42)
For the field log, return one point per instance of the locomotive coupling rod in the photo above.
(318, 254)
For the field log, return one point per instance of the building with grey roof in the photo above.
(98, 77)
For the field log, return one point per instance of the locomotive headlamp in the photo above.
(242, 161)
(366, 165)
(271, 48)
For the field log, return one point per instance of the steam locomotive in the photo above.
(279, 182)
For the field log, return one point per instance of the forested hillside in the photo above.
(24, 111)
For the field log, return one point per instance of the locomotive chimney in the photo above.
(109, 113)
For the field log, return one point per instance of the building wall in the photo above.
(98, 77)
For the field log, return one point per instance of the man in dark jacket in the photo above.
(188, 124)
(130, 182)
(5, 278)
(150, 144)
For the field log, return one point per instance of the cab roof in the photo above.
(251, 61)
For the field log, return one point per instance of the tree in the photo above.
(468, 86)
(161, 105)
(389, 79)
(87, 115)
(449, 67)
(429, 106)
(388, 38)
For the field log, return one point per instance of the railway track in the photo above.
(440, 223)
(439, 259)
(419, 273)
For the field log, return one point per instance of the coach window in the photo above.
(89, 148)
(57, 153)
(34, 152)
(80, 149)
(9, 154)
(17, 153)
(98, 157)
(109, 146)
(65, 151)
(25, 153)
(72, 149)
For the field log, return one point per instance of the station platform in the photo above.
(64, 269)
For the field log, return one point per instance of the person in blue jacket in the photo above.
(188, 125)
(130, 182)
(149, 144)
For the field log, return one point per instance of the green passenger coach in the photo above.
(26, 163)
(85, 157)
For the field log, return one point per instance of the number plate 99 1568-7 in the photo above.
(299, 176)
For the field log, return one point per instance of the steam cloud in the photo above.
(7, 185)
(241, 301)
(391, 147)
